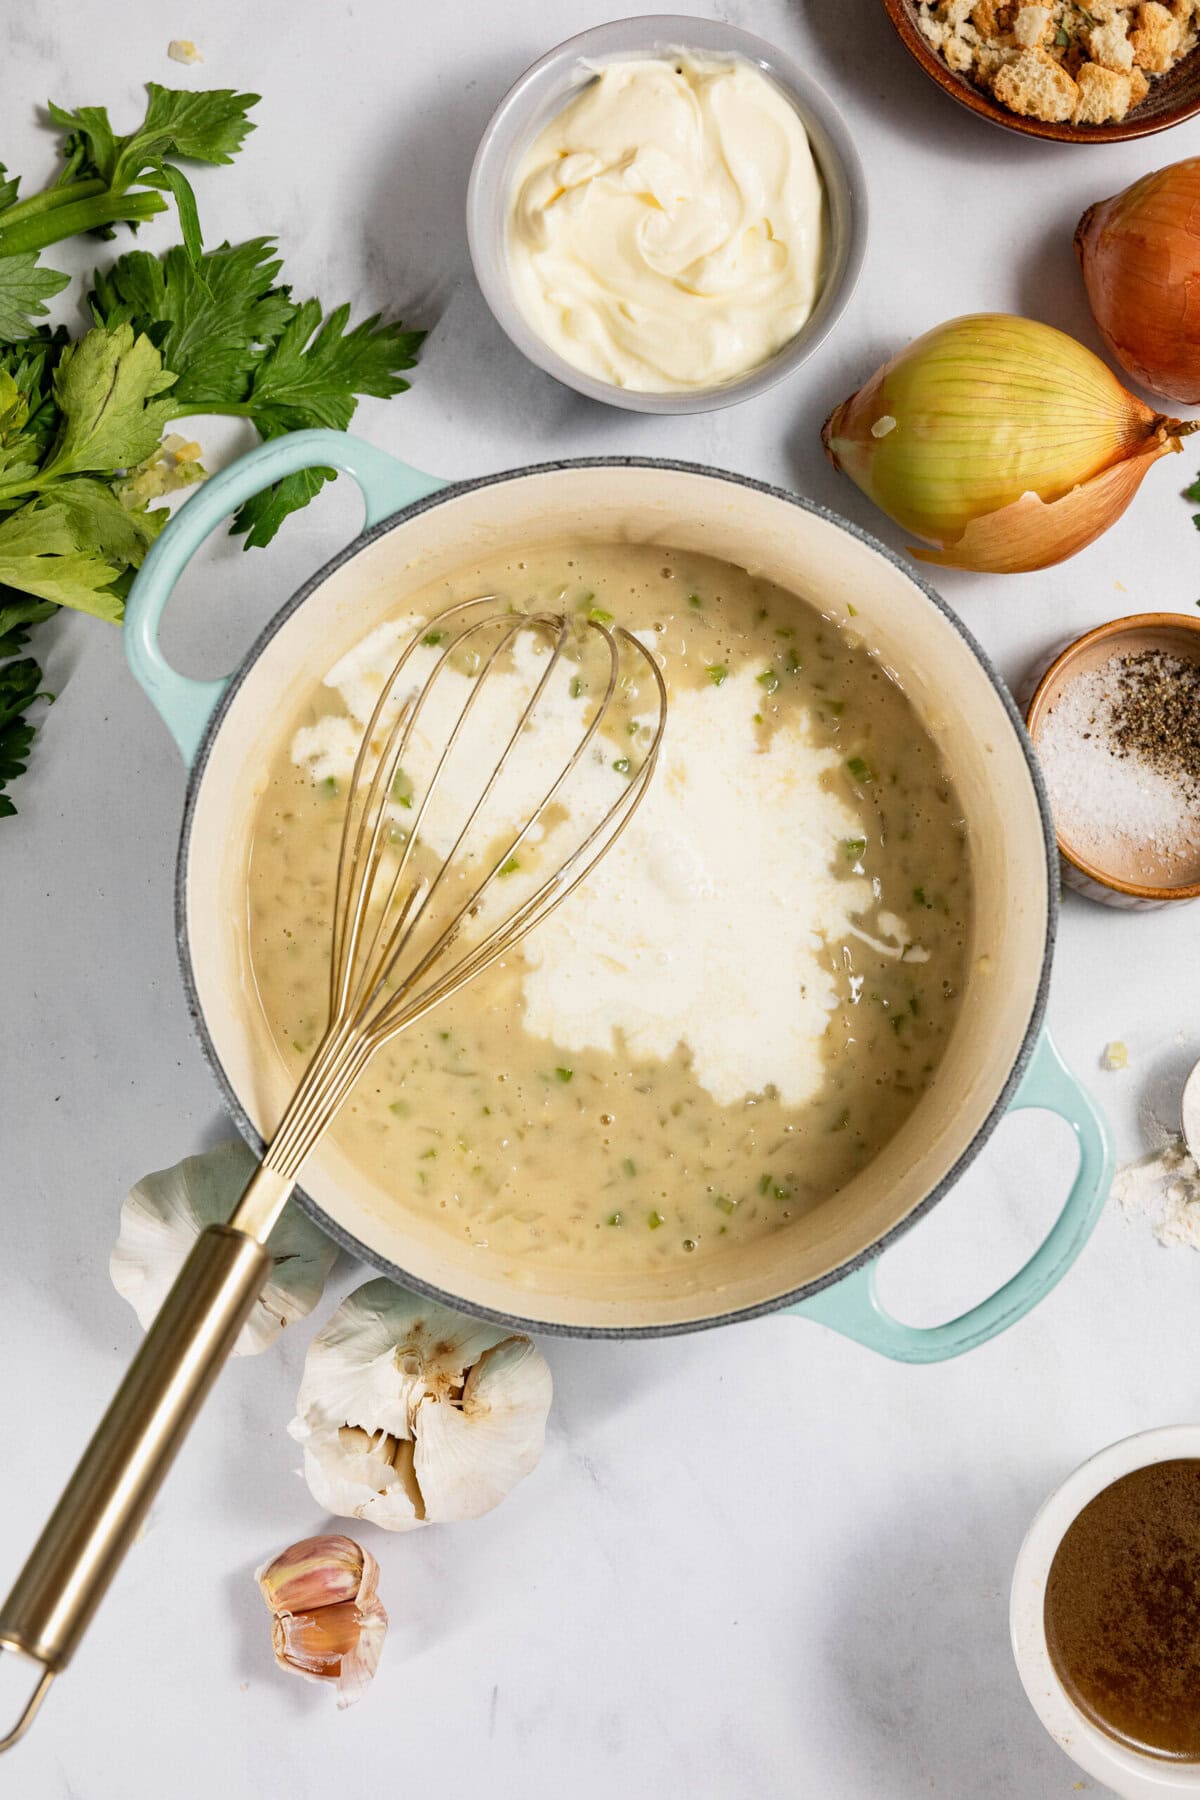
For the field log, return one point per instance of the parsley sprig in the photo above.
(108, 180)
(242, 346)
(83, 450)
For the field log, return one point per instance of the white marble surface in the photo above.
(755, 1563)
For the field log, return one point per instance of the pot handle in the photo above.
(853, 1306)
(186, 705)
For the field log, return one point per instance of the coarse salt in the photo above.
(1101, 796)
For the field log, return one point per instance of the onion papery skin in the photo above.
(996, 412)
(1140, 256)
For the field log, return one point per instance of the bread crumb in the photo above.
(1031, 26)
(988, 60)
(1109, 45)
(182, 50)
(1155, 40)
(1116, 1055)
(1054, 59)
(993, 18)
(1037, 87)
(1103, 95)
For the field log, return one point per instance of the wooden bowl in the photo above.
(1117, 882)
(1172, 98)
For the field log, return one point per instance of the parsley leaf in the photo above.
(99, 520)
(25, 286)
(19, 455)
(105, 386)
(31, 363)
(108, 179)
(210, 321)
(263, 514)
(241, 345)
(20, 683)
(17, 613)
(207, 126)
(314, 380)
(41, 553)
(82, 449)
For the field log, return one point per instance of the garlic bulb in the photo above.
(999, 440)
(165, 1214)
(328, 1622)
(410, 1413)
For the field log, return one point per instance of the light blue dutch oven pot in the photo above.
(1001, 1059)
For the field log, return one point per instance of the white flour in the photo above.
(708, 923)
(1163, 1188)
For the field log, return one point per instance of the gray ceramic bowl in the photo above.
(547, 87)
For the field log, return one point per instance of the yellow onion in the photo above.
(1002, 442)
(1140, 255)
(327, 1620)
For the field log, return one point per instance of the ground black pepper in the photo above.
(1156, 714)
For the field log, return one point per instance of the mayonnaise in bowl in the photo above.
(665, 231)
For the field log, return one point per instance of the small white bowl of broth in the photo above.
(1105, 1615)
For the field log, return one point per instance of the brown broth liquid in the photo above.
(1123, 1610)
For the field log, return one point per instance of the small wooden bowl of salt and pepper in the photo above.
(1115, 721)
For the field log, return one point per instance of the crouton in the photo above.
(932, 30)
(988, 59)
(1050, 59)
(993, 18)
(1035, 86)
(1031, 26)
(1156, 37)
(1109, 46)
(1103, 95)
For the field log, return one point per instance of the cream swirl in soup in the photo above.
(740, 1006)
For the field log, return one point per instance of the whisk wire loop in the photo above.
(376, 917)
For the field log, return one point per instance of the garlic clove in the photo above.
(1034, 534)
(467, 1457)
(165, 1213)
(316, 1572)
(328, 1622)
(410, 1412)
(356, 1474)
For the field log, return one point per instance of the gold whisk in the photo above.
(409, 929)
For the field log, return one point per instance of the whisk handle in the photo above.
(387, 485)
(120, 1472)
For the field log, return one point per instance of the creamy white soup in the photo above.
(741, 1005)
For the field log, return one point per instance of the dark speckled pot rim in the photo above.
(404, 1277)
